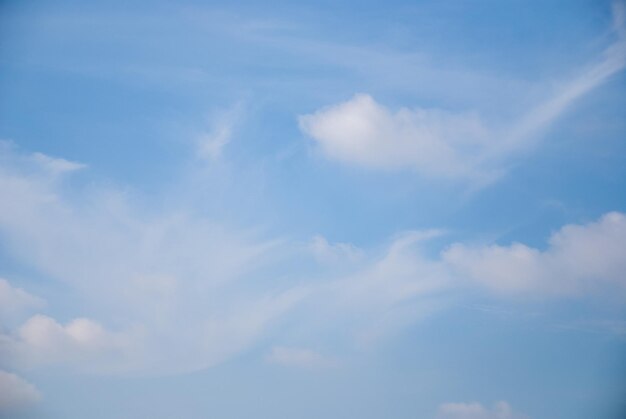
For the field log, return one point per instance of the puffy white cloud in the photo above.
(15, 392)
(183, 291)
(500, 410)
(82, 342)
(179, 292)
(15, 302)
(298, 357)
(153, 272)
(192, 294)
(579, 258)
(450, 144)
(45, 336)
(433, 142)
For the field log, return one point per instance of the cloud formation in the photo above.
(15, 302)
(154, 271)
(361, 131)
(83, 343)
(331, 253)
(211, 143)
(440, 143)
(56, 165)
(579, 259)
(170, 292)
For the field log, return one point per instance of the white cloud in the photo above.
(40, 163)
(82, 342)
(440, 143)
(334, 253)
(14, 302)
(158, 272)
(400, 274)
(146, 348)
(580, 258)
(211, 143)
(179, 292)
(363, 132)
(387, 291)
(525, 132)
(48, 338)
(56, 165)
(15, 392)
(181, 289)
(500, 410)
(298, 357)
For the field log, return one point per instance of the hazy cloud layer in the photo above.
(192, 294)
(15, 302)
(312, 211)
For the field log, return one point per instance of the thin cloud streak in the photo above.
(226, 297)
(437, 143)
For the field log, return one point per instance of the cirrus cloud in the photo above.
(446, 143)
(150, 312)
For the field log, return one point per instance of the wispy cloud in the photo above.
(525, 132)
(15, 302)
(440, 143)
(115, 255)
(331, 253)
(211, 143)
(170, 291)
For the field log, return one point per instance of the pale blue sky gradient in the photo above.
(401, 209)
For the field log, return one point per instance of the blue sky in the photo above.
(408, 209)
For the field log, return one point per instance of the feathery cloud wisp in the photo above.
(439, 143)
